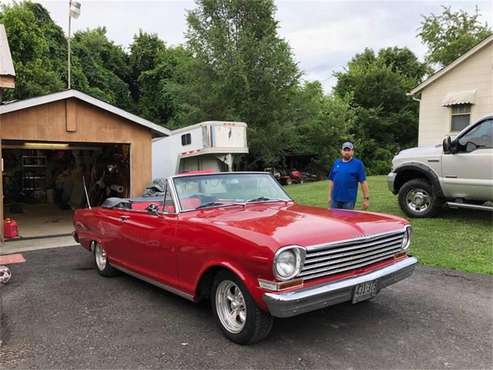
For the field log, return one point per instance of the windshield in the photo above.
(203, 191)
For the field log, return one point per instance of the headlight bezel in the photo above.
(406, 240)
(299, 254)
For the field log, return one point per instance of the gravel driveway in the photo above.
(59, 313)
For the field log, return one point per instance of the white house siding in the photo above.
(474, 73)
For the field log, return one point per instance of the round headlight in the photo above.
(288, 263)
(406, 240)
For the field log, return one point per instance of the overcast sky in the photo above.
(323, 35)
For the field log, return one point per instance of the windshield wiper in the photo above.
(209, 204)
(216, 204)
(264, 199)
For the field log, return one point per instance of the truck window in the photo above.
(481, 135)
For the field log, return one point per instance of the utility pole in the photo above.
(73, 11)
(69, 85)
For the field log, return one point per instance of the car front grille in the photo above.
(328, 259)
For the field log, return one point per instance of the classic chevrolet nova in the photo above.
(239, 240)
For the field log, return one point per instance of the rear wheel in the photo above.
(416, 199)
(235, 311)
(102, 264)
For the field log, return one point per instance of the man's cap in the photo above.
(348, 145)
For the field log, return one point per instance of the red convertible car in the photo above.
(239, 240)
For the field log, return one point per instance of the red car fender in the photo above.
(249, 281)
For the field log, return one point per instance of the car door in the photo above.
(149, 242)
(468, 173)
(108, 227)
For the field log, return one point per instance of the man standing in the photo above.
(344, 177)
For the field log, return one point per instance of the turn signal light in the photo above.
(275, 286)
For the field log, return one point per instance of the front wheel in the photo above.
(235, 311)
(416, 199)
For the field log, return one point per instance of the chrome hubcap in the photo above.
(100, 254)
(230, 306)
(418, 200)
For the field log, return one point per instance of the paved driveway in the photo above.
(59, 313)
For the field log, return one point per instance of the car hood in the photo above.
(279, 224)
(421, 151)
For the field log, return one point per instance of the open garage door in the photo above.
(43, 182)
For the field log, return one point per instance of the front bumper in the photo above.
(313, 298)
(390, 181)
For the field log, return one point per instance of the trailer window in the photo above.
(186, 139)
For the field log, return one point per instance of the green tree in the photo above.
(326, 129)
(450, 34)
(244, 70)
(104, 65)
(145, 52)
(38, 48)
(385, 117)
(165, 90)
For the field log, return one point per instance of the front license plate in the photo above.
(365, 291)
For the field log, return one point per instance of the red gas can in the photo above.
(11, 230)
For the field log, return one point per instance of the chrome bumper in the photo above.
(309, 299)
(390, 181)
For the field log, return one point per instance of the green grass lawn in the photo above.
(455, 239)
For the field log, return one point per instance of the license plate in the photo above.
(365, 291)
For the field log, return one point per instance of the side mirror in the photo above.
(153, 209)
(449, 146)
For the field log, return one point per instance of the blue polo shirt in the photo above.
(346, 176)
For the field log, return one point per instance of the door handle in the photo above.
(124, 218)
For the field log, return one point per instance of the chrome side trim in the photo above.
(154, 282)
(292, 303)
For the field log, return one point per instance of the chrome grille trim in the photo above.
(352, 258)
(344, 269)
(332, 258)
(329, 268)
(320, 256)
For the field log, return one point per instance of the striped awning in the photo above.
(459, 97)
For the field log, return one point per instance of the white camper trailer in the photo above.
(207, 145)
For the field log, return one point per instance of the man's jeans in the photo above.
(342, 205)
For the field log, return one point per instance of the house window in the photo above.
(186, 139)
(461, 117)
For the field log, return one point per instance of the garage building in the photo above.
(51, 144)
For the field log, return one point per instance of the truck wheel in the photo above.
(102, 264)
(416, 199)
(235, 311)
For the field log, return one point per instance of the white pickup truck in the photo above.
(458, 173)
